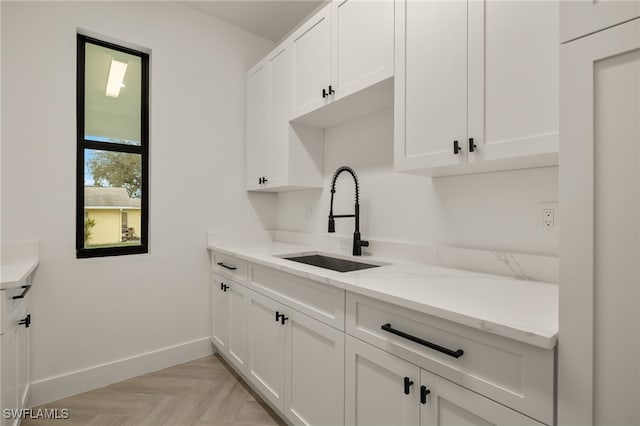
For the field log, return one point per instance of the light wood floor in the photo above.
(203, 392)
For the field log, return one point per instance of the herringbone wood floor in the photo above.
(203, 392)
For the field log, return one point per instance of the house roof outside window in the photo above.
(100, 197)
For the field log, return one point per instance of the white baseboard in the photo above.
(62, 386)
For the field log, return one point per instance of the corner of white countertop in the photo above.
(18, 261)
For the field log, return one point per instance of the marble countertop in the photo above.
(526, 311)
(14, 274)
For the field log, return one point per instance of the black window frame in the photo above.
(82, 144)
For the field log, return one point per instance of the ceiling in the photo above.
(271, 19)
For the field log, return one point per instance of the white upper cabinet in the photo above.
(280, 156)
(431, 83)
(278, 65)
(257, 111)
(362, 44)
(513, 79)
(583, 17)
(345, 48)
(476, 86)
(311, 72)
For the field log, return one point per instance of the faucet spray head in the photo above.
(332, 224)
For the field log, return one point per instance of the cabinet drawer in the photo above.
(513, 373)
(319, 301)
(229, 266)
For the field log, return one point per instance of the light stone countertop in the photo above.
(14, 274)
(526, 311)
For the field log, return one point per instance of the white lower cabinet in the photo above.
(15, 348)
(374, 383)
(296, 362)
(323, 356)
(382, 389)
(443, 403)
(266, 347)
(229, 330)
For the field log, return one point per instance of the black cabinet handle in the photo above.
(226, 287)
(262, 180)
(324, 93)
(472, 145)
(280, 317)
(233, 268)
(456, 147)
(423, 394)
(455, 354)
(407, 385)
(259, 181)
(26, 321)
(25, 290)
(331, 91)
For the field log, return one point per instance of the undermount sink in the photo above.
(333, 263)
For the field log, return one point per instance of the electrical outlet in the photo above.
(548, 219)
(547, 216)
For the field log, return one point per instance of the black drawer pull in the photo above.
(456, 354)
(25, 290)
(407, 385)
(233, 268)
(423, 394)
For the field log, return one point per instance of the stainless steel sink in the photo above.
(333, 263)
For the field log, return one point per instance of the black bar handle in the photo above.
(283, 319)
(455, 354)
(233, 268)
(456, 147)
(472, 145)
(25, 290)
(407, 385)
(331, 91)
(26, 321)
(324, 93)
(225, 288)
(221, 286)
(423, 394)
(278, 314)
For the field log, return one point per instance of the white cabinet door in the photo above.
(237, 307)
(513, 79)
(23, 361)
(582, 17)
(257, 124)
(220, 328)
(279, 70)
(362, 50)
(311, 58)
(314, 372)
(599, 352)
(444, 403)
(266, 359)
(375, 389)
(9, 383)
(430, 83)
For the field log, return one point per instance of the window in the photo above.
(113, 146)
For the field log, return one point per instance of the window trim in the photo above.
(82, 144)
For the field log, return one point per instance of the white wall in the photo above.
(88, 312)
(487, 211)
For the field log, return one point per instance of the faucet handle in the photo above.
(364, 243)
